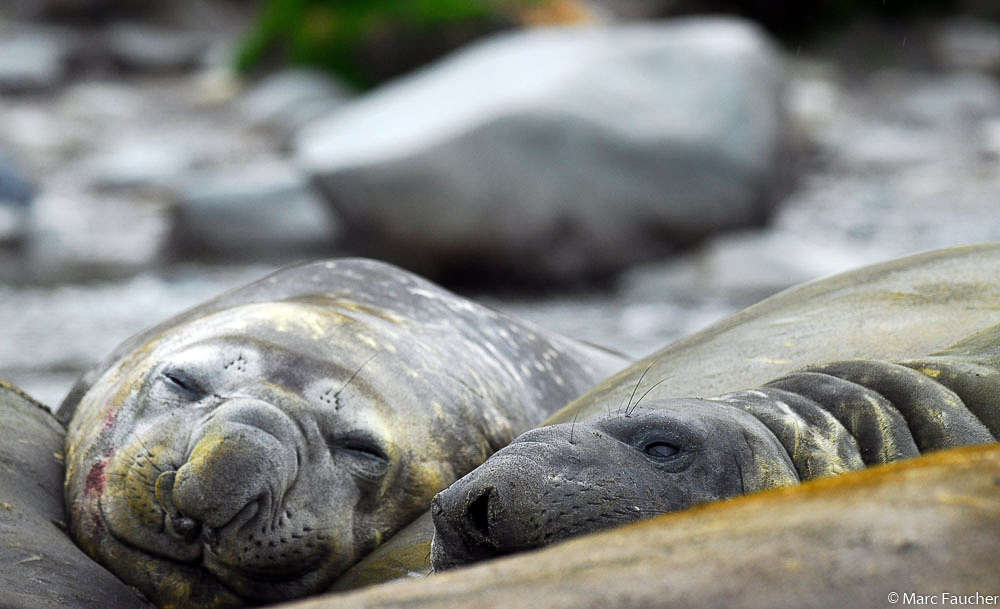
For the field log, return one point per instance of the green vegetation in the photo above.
(352, 37)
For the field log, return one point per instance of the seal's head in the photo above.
(563, 480)
(255, 453)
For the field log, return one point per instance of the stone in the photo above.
(250, 212)
(154, 49)
(42, 567)
(75, 234)
(289, 100)
(16, 193)
(560, 153)
(969, 44)
(746, 266)
(137, 164)
(32, 59)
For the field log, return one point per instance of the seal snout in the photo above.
(243, 460)
(176, 524)
(477, 517)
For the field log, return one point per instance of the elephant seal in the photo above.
(253, 448)
(666, 454)
(929, 525)
(893, 311)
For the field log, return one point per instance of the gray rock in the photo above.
(289, 100)
(155, 49)
(560, 153)
(75, 234)
(137, 164)
(969, 44)
(16, 193)
(42, 567)
(32, 59)
(250, 213)
(15, 188)
(743, 267)
(53, 333)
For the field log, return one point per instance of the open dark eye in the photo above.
(182, 383)
(661, 450)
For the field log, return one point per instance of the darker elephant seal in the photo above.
(658, 454)
(253, 448)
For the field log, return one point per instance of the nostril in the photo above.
(187, 529)
(477, 514)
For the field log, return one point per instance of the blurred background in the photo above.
(622, 171)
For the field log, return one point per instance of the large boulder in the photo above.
(560, 153)
(42, 567)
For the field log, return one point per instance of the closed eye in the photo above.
(366, 458)
(182, 383)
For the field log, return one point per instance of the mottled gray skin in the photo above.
(657, 455)
(253, 448)
(40, 567)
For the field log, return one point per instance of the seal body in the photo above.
(253, 448)
(891, 311)
(928, 523)
(666, 454)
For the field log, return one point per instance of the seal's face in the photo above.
(564, 480)
(240, 464)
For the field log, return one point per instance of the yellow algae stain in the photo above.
(970, 501)
(368, 340)
(767, 360)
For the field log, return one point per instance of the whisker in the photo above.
(652, 387)
(354, 375)
(637, 383)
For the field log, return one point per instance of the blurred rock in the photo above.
(814, 96)
(77, 235)
(33, 9)
(560, 154)
(137, 164)
(16, 193)
(103, 101)
(633, 9)
(32, 59)
(54, 332)
(968, 44)
(148, 48)
(991, 136)
(250, 213)
(941, 99)
(15, 187)
(742, 267)
(289, 100)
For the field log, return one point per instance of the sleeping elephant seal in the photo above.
(890, 311)
(253, 448)
(926, 526)
(666, 454)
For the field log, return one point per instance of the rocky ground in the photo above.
(116, 181)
